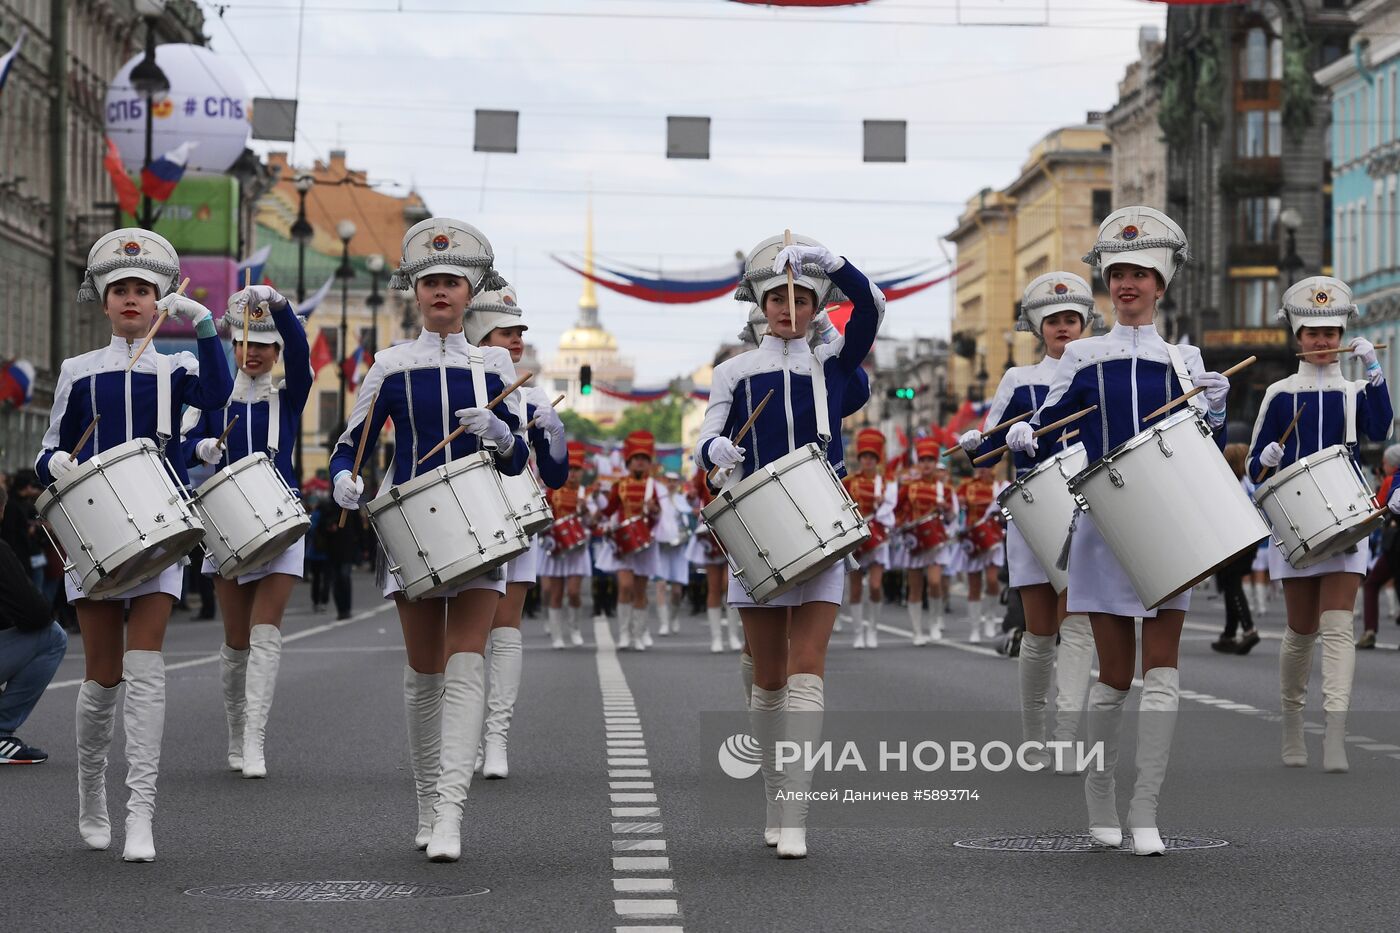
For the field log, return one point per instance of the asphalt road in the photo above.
(608, 820)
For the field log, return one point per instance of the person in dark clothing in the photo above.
(1230, 578)
(317, 564)
(31, 646)
(342, 548)
(20, 527)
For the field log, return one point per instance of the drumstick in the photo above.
(1045, 430)
(792, 294)
(360, 454)
(86, 434)
(1070, 436)
(1199, 389)
(557, 400)
(461, 429)
(227, 428)
(992, 430)
(247, 309)
(1379, 346)
(1287, 432)
(155, 327)
(739, 438)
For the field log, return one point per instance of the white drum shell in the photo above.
(250, 516)
(1042, 507)
(448, 526)
(531, 506)
(1317, 506)
(1169, 507)
(786, 523)
(120, 517)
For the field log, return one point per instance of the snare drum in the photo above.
(1318, 506)
(250, 514)
(568, 533)
(1169, 507)
(786, 523)
(929, 533)
(448, 526)
(984, 535)
(631, 535)
(120, 517)
(1042, 507)
(878, 536)
(531, 507)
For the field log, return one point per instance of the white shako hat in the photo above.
(1317, 301)
(759, 279)
(489, 310)
(261, 327)
(1052, 293)
(1139, 236)
(129, 253)
(755, 327)
(447, 247)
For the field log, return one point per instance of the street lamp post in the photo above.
(302, 231)
(150, 82)
(1291, 263)
(982, 377)
(346, 231)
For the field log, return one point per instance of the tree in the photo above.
(579, 428)
(662, 418)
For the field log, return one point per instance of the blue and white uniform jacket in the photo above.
(252, 404)
(1128, 373)
(1334, 410)
(787, 368)
(553, 472)
(420, 385)
(1023, 389)
(97, 383)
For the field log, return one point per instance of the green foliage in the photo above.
(579, 428)
(662, 418)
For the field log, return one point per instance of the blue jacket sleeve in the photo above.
(857, 393)
(191, 439)
(1269, 429)
(296, 356)
(212, 389)
(866, 301)
(554, 472)
(1374, 413)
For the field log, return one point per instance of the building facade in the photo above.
(1139, 151)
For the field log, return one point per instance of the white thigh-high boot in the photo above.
(873, 606)
(143, 716)
(556, 628)
(500, 702)
(233, 669)
(264, 657)
(935, 608)
(736, 632)
(676, 614)
(641, 632)
(1105, 721)
(1036, 663)
(767, 715)
(463, 702)
(1161, 689)
(624, 626)
(806, 706)
(422, 700)
(746, 676)
(916, 622)
(1338, 670)
(974, 620)
(663, 612)
(1073, 661)
(1294, 667)
(715, 616)
(97, 711)
(858, 620)
(575, 635)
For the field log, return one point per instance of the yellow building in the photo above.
(1044, 221)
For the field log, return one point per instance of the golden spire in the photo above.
(588, 301)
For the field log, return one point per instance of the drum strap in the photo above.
(1182, 376)
(162, 400)
(274, 421)
(1350, 396)
(819, 400)
(477, 361)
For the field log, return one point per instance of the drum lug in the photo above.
(1026, 496)
(1115, 478)
(1080, 501)
(1163, 445)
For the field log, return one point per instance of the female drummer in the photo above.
(494, 320)
(563, 571)
(1320, 599)
(808, 395)
(427, 387)
(1127, 373)
(1057, 307)
(978, 497)
(132, 272)
(875, 498)
(922, 497)
(268, 421)
(634, 496)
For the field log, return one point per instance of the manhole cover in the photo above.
(1075, 842)
(330, 891)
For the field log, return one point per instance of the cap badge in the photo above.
(441, 242)
(131, 248)
(1061, 288)
(1130, 232)
(508, 301)
(1321, 298)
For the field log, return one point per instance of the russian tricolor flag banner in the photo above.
(158, 180)
(251, 269)
(7, 61)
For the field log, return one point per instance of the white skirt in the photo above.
(881, 556)
(525, 568)
(1021, 563)
(604, 555)
(642, 563)
(1261, 556)
(829, 586)
(1354, 562)
(171, 582)
(494, 580)
(574, 563)
(292, 562)
(899, 554)
(964, 561)
(671, 563)
(1098, 583)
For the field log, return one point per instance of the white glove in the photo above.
(723, 453)
(1394, 503)
(183, 307)
(61, 462)
(1365, 351)
(209, 450)
(257, 294)
(488, 427)
(1020, 437)
(970, 440)
(348, 489)
(1217, 389)
(799, 254)
(1272, 454)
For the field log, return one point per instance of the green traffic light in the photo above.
(586, 390)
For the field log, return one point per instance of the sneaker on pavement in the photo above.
(13, 751)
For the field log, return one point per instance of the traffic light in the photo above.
(902, 392)
(585, 379)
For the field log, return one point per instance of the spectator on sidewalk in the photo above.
(318, 566)
(342, 548)
(20, 527)
(1382, 571)
(1230, 578)
(31, 647)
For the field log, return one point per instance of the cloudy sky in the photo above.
(396, 84)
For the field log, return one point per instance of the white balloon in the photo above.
(208, 104)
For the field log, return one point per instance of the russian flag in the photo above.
(158, 180)
(313, 301)
(251, 269)
(351, 365)
(7, 60)
(16, 383)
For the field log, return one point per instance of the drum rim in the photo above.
(757, 479)
(109, 457)
(457, 581)
(225, 473)
(1271, 485)
(471, 461)
(1145, 436)
(256, 561)
(196, 534)
(1042, 468)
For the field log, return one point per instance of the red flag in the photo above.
(320, 354)
(128, 198)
